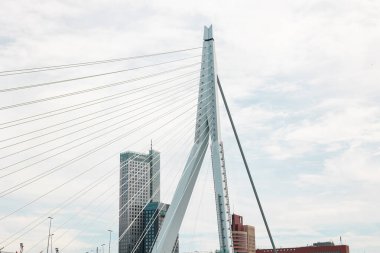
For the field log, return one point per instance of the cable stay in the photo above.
(91, 76)
(139, 99)
(108, 127)
(70, 148)
(77, 158)
(75, 197)
(34, 201)
(146, 185)
(40, 222)
(94, 101)
(166, 176)
(246, 166)
(96, 88)
(82, 64)
(122, 186)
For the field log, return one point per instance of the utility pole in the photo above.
(109, 245)
(47, 249)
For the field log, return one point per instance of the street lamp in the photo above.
(51, 243)
(47, 249)
(102, 248)
(109, 245)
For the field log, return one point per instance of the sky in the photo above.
(302, 82)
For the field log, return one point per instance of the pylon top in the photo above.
(207, 35)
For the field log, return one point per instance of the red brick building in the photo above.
(316, 248)
(243, 236)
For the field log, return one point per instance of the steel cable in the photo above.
(90, 76)
(93, 185)
(36, 178)
(72, 65)
(162, 91)
(87, 127)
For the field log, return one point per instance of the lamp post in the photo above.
(51, 243)
(102, 248)
(109, 245)
(47, 249)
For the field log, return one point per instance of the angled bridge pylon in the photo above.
(207, 129)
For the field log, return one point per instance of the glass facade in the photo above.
(139, 184)
(154, 215)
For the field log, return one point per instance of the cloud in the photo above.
(331, 124)
(354, 165)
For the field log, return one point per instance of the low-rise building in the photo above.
(320, 247)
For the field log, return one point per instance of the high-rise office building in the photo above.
(154, 215)
(139, 184)
(243, 236)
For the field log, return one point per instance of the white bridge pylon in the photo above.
(207, 127)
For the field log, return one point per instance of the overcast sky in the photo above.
(302, 80)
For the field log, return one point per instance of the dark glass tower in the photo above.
(154, 215)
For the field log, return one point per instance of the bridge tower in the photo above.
(207, 128)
